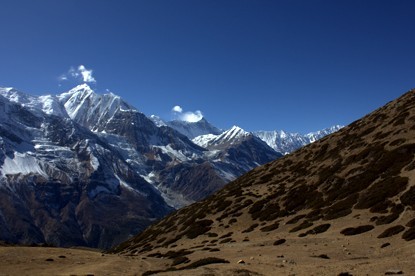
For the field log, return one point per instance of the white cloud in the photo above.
(177, 109)
(86, 74)
(79, 74)
(192, 116)
(187, 116)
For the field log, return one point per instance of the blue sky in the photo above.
(293, 65)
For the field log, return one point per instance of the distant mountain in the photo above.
(318, 206)
(72, 165)
(194, 129)
(236, 146)
(286, 142)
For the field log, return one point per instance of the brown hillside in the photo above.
(343, 204)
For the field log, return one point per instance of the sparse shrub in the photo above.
(270, 212)
(266, 178)
(411, 223)
(155, 255)
(350, 231)
(314, 215)
(382, 190)
(297, 198)
(381, 207)
(385, 245)
(341, 208)
(271, 227)
(180, 260)
(198, 228)
(161, 240)
(222, 205)
(400, 120)
(319, 229)
(387, 219)
(238, 214)
(322, 256)
(226, 235)
(152, 272)
(279, 242)
(206, 261)
(251, 228)
(226, 240)
(295, 219)
(305, 224)
(256, 208)
(374, 218)
(410, 167)
(391, 231)
(233, 220)
(175, 254)
(409, 234)
(408, 198)
(398, 142)
(196, 264)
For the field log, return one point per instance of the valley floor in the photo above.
(297, 256)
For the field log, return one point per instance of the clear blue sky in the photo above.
(292, 65)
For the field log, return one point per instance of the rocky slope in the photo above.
(347, 197)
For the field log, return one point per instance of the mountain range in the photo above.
(86, 169)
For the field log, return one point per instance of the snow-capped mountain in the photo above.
(62, 184)
(230, 136)
(72, 165)
(317, 135)
(286, 142)
(238, 147)
(194, 129)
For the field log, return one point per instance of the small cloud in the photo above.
(80, 74)
(177, 109)
(63, 78)
(192, 116)
(187, 116)
(86, 74)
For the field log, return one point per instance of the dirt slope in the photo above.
(344, 196)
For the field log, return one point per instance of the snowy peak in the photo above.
(231, 136)
(90, 109)
(194, 129)
(47, 104)
(286, 142)
(314, 136)
(78, 92)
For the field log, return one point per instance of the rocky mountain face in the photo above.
(237, 146)
(87, 169)
(62, 184)
(352, 188)
(286, 142)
